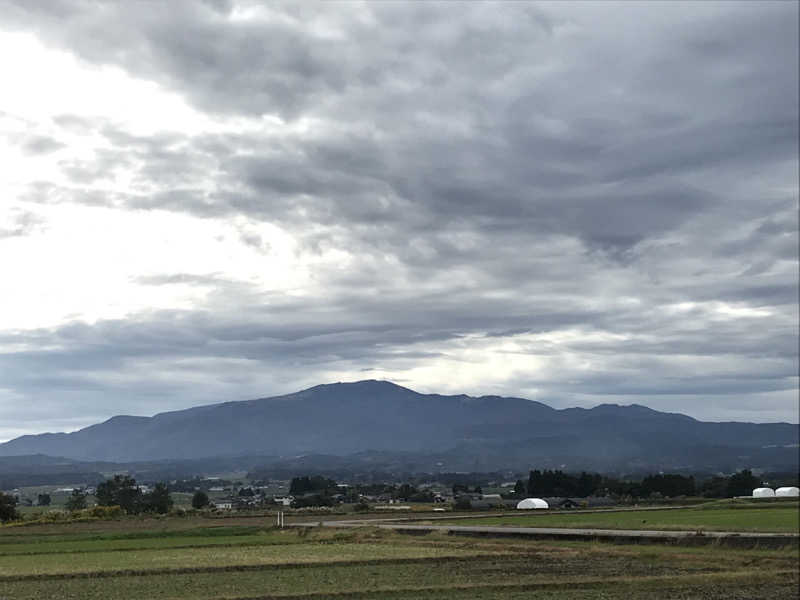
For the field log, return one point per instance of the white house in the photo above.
(787, 492)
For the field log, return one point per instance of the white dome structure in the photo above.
(787, 492)
(763, 493)
(530, 503)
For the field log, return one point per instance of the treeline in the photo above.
(123, 491)
(317, 490)
(558, 483)
(313, 484)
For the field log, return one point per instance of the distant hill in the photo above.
(366, 419)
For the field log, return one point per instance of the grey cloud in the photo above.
(75, 123)
(22, 223)
(184, 279)
(491, 171)
(40, 144)
(445, 141)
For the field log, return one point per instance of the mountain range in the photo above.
(377, 422)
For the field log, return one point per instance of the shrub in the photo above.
(8, 508)
(200, 499)
(104, 512)
(462, 503)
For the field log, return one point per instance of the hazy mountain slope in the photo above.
(345, 418)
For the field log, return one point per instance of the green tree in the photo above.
(315, 483)
(158, 500)
(406, 491)
(462, 503)
(76, 501)
(43, 500)
(200, 499)
(120, 491)
(742, 483)
(716, 487)
(519, 489)
(8, 507)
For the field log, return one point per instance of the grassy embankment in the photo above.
(187, 558)
(776, 519)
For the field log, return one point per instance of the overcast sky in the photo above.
(574, 203)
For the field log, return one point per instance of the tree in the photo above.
(406, 491)
(200, 499)
(716, 487)
(43, 500)
(158, 501)
(120, 491)
(519, 489)
(8, 508)
(76, 501)
(742, 483)
(312, 500)
(315, 483)
(459, 488)
(668, 485)
(462, 503)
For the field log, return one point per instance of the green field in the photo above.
(773, 519)
(193, 558)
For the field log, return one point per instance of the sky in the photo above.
(577, 203)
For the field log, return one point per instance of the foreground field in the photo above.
(776, 520)
(170, 559)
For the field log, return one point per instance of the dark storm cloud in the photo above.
(493, 171)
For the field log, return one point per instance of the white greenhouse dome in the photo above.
(530, 503)
(763, 493)
(787, 492)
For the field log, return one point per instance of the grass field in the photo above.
(773, 519)
(191, 558)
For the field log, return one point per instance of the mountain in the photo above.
(484, 433)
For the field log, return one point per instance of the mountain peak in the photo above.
(370, 383)
(345, 418)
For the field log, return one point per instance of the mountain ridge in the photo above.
(343, 419)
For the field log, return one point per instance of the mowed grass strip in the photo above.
(23, 535)
(477, 577)
(201, 536)
(39, 548)
(135, 524)
(775, 520)
(138, 560)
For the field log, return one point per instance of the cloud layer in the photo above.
(577, 203)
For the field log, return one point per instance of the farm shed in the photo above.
(763, 493)
(787, 492)
(561, 502)
(531, 503)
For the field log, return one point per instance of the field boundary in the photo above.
(586, 583)
(731, 538)
(137, 549)
(250, 567)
